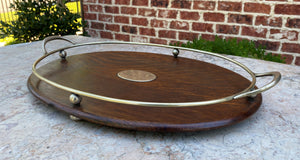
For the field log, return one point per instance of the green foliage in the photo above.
(37, 19)
(243, 48)
(8, 41)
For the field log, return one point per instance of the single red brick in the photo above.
(230, 6)
(112, 27)
(125, 2)
(181, 4)
(140, 2)
(105, 18)
(288, 58)
(107, 35)
(147, 31)
(291, 47)
(122, 37)
(90, 16)
(176, 42)
(188, 36)
(284, 34)
(257, 8)
(204, 27)
(95, 8)
(215, 17)
(273, 46)
(92, 33)
(268, 21)
(204, 5)
(293, 23)
(167, 13)
(208, 37)
(160, 3)
(135, 38)
(129, 29)
(121, 19)
(109, 9)
(158, 41)
(189, 15)
(227, 29)
(85, 8)
(237, 18)
(159, 23)
(147, 12)
(167, 34)
(297, 61)
(128, 10)
(254, 32)
(140, 21)
(179, 25)
(289, 9)
(96, 25)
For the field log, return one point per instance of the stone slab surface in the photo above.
(30, 129)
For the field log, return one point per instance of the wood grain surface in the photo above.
(178, 80)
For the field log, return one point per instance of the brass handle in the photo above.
(51, 38)
(251, 93)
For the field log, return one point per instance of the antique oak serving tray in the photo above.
(146, 91)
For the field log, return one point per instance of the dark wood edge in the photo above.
(141, 126)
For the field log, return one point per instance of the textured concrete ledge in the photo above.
(31, 130)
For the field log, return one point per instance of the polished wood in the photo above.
(178, 80)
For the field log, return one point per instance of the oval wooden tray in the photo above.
(178, 80)
(146, 91)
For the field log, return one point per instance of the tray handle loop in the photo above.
(62, 52)
(254, 92)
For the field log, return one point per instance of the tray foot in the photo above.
(74, 118)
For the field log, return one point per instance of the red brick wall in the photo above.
(274, 23)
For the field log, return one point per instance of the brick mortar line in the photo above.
(209, 22)
(280, 48)
(198, 32)
(239, 25)
(272, 5)
(284, 28)
(253, 21)
(214, 30)
(192, 4)
(268, 33)
(201, 12)
(201, 17)
(214, 27)
(272, 11)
